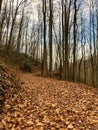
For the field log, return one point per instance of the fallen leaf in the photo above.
(70, 126)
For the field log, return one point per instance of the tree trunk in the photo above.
(74, 50)
(50, 35)
(0, 5)
(44, 62)
(20, 31)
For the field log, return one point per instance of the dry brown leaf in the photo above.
(70, 126)
(65, 105)
(29, 122)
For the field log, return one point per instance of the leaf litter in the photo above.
(49, 104)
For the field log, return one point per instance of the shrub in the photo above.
(26, 65)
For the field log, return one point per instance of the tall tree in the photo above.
(63, 32)
(75, 37)
(97, 40)
(80, 63)
(20, 31)
(0, 5)
(3, 17)
(67, 19)
(44, 62)
(13, 22)
(50, 35)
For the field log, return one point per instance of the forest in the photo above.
(60, 35)
(48, 64)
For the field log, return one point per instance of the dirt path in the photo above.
(48, 104)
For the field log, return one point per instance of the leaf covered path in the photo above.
(49, 104)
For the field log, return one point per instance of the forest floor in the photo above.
(50, 104)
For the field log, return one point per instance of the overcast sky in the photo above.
(32, 7)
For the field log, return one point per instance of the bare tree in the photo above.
(0, 5)
(2, 20)
(80, 63)
(13, 22)
(44, 62)
(75, 37)
(20, 31)
(50, 35)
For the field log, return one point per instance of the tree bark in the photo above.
(44, 62)
(0, 5)
(74, 49)
(50, 35)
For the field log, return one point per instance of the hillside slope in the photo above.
(49, 104)
(8, 83)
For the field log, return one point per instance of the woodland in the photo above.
(49, 65)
